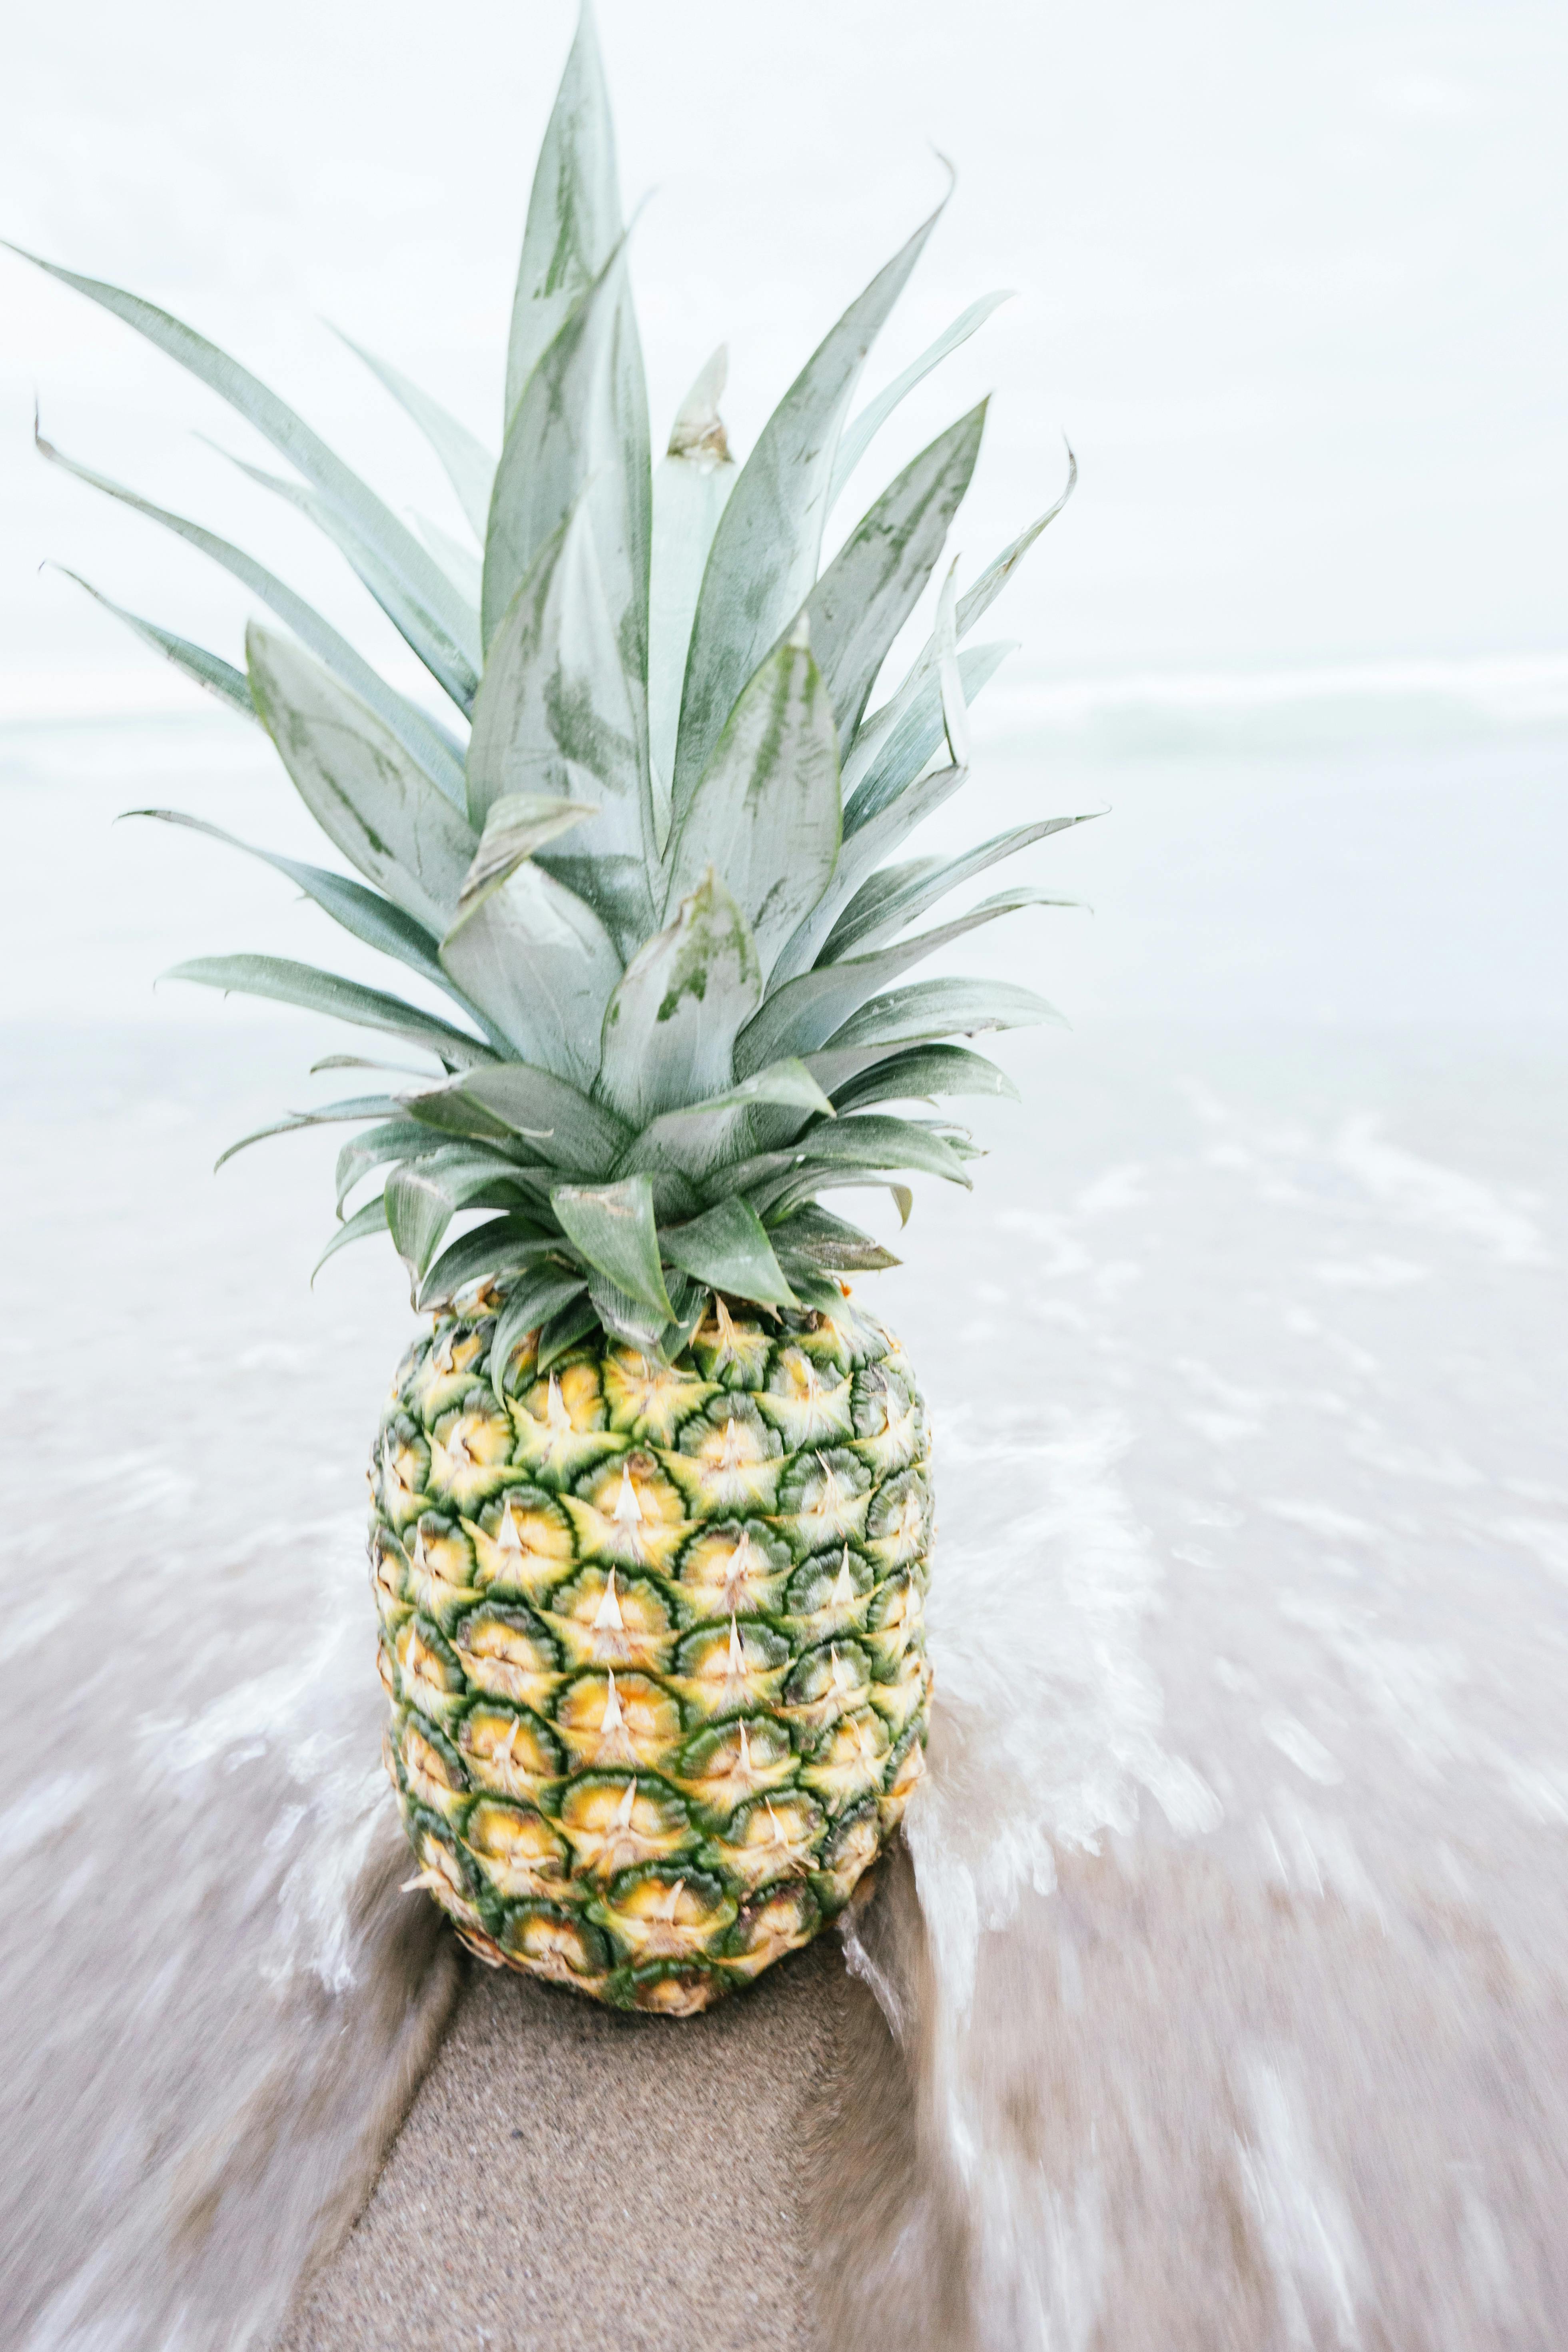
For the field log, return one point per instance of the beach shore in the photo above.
(574, 2177)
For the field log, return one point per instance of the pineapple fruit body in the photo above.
(652, 1634)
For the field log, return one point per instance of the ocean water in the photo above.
(1224, 1976)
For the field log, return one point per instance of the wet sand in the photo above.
(572, 2177)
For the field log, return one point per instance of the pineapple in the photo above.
(651, 1505)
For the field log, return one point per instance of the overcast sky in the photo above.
(1290, 276)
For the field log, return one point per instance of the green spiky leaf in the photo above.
(765, 815)
(612, 1227)
(726, 1248)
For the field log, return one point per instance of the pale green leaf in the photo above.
(540, 1292)
(373, 920)
(919, 682)
(517, 825)
(816, 1240)
(726, 1249)
(565, 1328)
(765, 815)
(875, 776)
(424, 1194)
(698, 1136)
(859, 433)
(861, 853)
(394, 1139)
(612, 1226)
(448, 644)
(574, 212)
(766, 551)
(566, 1127)
(690, 491)
(896, 894)
(870, 588)
(469, 467)
(371, 1219)
(461, 565)
(499, 1247)
(556, 715)
(368, 796)
(807, 1012)
(627, 1319)
(929, 1010)
(419, 737)
(950, 678)
(921, 1073)
(540, 964)
(219, 676)
(670, 1026)
(372, 524)
(345, 999)
(579, 435)
(363, 1106)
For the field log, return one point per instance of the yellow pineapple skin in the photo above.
(653, 1640)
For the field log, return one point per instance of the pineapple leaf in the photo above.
(727, 1249)
(820, 1243)
(359, 783)
(807, 1012)
(461, 565)
(777, 1183)
(368, 916)
(345, 999)
(468, 466)
(921, 1073)
(419, 738)
(869, 1143)
(328, 1115)
(539, 1293)
(691, 489)
(863, 851)
(894, 896)
(451, 655)
(565, 1328)
(929, 1010)
(373, 525)
(394, 1139)
(698, 1136)
(670, 1026)
(568, 1130)
(371, 1219)
(424, 1195)
(517, 825)
(859, 432)
(814, 1241)
(916, 685)
(219, 676)
(556, 714)
(612, 1226)
(502, 1246)
(869, 589)
(764, 555)
(624, 1317)
(949, 678)
(905, 745)
(766, 812)
(574, 212)
(580, 432)
(541, 965)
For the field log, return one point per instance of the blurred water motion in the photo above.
(1225, 1993)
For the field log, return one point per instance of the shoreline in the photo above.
(571, 2175)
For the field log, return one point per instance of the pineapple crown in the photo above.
(650, 876)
